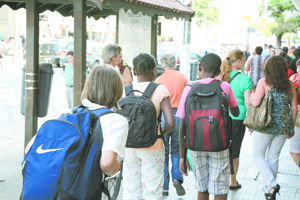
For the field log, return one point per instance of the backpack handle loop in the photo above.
(134, 91)
(205, 95)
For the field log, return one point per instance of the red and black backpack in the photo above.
(207, 124)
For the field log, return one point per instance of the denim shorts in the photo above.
(211, 171)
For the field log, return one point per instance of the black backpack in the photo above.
(141, 115)
(208, 126)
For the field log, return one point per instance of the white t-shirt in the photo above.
(114, 129)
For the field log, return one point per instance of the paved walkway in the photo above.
(12, 136)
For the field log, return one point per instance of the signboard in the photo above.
(134, 34)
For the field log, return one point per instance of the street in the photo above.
(12, 147)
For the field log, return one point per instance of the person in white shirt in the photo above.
(112, 55)
(104, 88)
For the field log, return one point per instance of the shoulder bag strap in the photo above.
(234, 77)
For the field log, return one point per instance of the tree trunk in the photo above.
(278, 40)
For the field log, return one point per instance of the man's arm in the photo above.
(126, 77)
(182, 150)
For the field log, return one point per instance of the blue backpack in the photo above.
(64, 160)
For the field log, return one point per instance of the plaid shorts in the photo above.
(211, 171)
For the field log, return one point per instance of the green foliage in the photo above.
(205, 12)
(261, 24)
(282, 12)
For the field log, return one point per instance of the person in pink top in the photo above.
(294, 142)
(210, 169)
(175, 82)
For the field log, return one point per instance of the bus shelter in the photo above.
(80, 9)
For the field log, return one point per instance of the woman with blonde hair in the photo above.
(241, 87)
(268, 141)
(103, 89)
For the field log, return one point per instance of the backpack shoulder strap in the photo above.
(122, 69)
(193, 84)
(150, 89)
(101, 111)
(128, 89)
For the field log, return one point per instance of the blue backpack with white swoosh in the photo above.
(64, 160)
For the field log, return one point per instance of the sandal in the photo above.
(238, 186)
(272, 196)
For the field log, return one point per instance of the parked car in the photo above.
(160, 70)
(93, 54)
(50, 52)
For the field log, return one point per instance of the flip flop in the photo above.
(238, 186)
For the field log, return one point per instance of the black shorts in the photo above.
(238, 132)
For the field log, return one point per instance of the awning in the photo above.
(98, 9)
(297, 5)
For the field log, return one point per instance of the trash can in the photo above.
(44, 88)
(194, 70)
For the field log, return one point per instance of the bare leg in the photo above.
(233, 181)
(295, 157)
(221, 197)
(203, 195)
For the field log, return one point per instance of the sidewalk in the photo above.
(12, 147)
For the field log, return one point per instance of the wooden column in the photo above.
(32, 69)
(79, 49)
(154, 21)
(117, 28)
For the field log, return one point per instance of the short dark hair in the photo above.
(285, 49)
(282, 54)
(296, 53)
(143, 63)
(70, 53)
(265, 44)
(270, 46)
(211, 63)
(258, 50)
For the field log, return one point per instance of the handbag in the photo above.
(260, 117)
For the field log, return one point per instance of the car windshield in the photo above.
(50, 47)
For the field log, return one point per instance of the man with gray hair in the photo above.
(112, 55)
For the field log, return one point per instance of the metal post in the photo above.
(32, 69)
(79, 49)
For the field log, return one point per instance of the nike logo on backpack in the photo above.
(41, 151)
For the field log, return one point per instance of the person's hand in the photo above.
(298, 78)
(291, 135)
(250, 131)
(181, 166)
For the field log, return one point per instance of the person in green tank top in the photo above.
(241, 87)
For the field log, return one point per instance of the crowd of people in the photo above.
(146, 170)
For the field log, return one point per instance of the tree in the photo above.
(205, 12)
(282, 11)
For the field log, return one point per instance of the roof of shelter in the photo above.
(104, 8)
